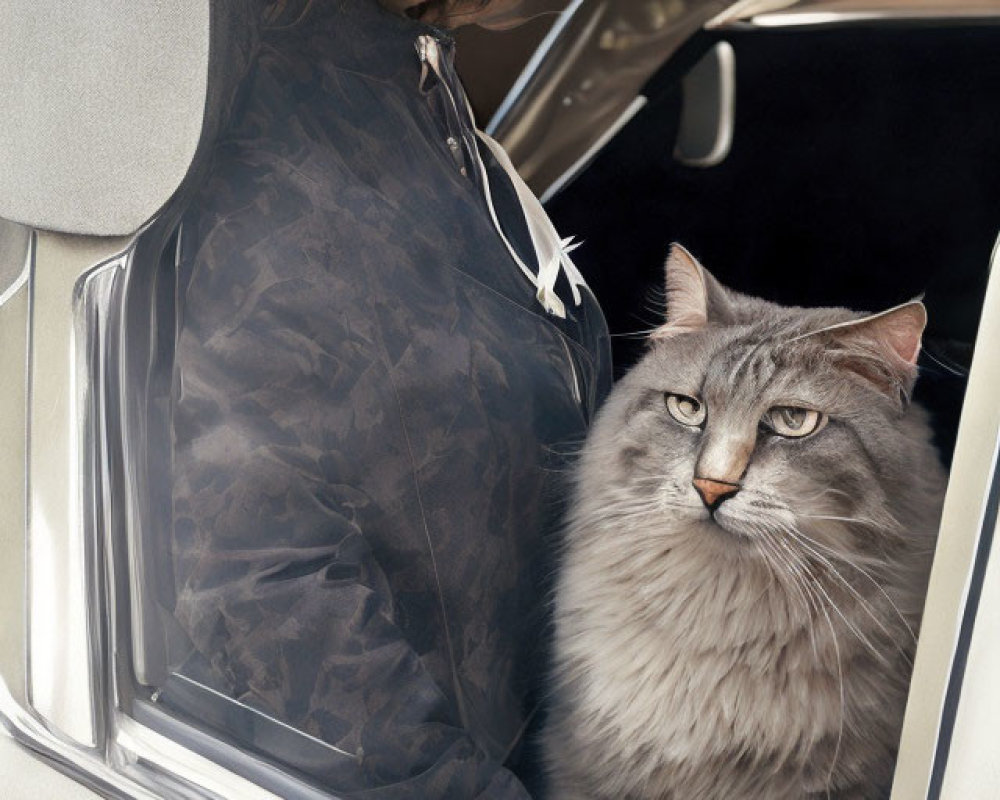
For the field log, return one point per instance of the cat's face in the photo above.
(751, 420)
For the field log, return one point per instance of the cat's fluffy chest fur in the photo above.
(763, 652)
(716, 677)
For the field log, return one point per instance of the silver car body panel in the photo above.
(962, 528)
(59, 694)
(63, 626)
(28, 778)
(971, 767)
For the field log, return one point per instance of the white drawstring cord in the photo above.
(551, 252)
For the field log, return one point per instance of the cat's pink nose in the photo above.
(714, 492)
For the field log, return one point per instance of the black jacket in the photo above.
(371, 418)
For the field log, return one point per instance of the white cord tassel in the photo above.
(551, 252)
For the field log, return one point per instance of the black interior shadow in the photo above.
(865, 170)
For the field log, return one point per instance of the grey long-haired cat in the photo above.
(746, 557)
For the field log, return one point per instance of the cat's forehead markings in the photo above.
(745, 371)
(749, 359)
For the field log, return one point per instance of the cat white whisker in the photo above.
(853, 520)
(803, 576)
(953, 370)
(772, 574)
(867, 575)
(847, 623)
(639, 334)
(834, 491)
(794, 572)
(864, 604)
(843, 703)
(889, 523)
(854, 558)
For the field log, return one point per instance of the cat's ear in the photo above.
(884, 347)
(692, 295)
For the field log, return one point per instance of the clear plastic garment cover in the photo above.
(109, 686)
(86, 641)
(165, 685)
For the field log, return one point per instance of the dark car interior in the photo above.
(864, 171)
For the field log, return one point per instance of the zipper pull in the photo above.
(423, 55)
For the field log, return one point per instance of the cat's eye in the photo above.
(793, 422)
(686, 410)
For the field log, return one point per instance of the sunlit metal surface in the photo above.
(15, 240)
(599, 55)
(597, 58)
(136, 743)
(786, 13)
(961, 525)
(69, 714)
(78, 761)
(61, 564)
(143, 764)
(971, 766)
(15, 262)
(28, 778)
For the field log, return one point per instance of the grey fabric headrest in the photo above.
(105, 105)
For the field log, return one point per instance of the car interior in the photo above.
(863, 171)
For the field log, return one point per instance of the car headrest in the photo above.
(106, 106)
